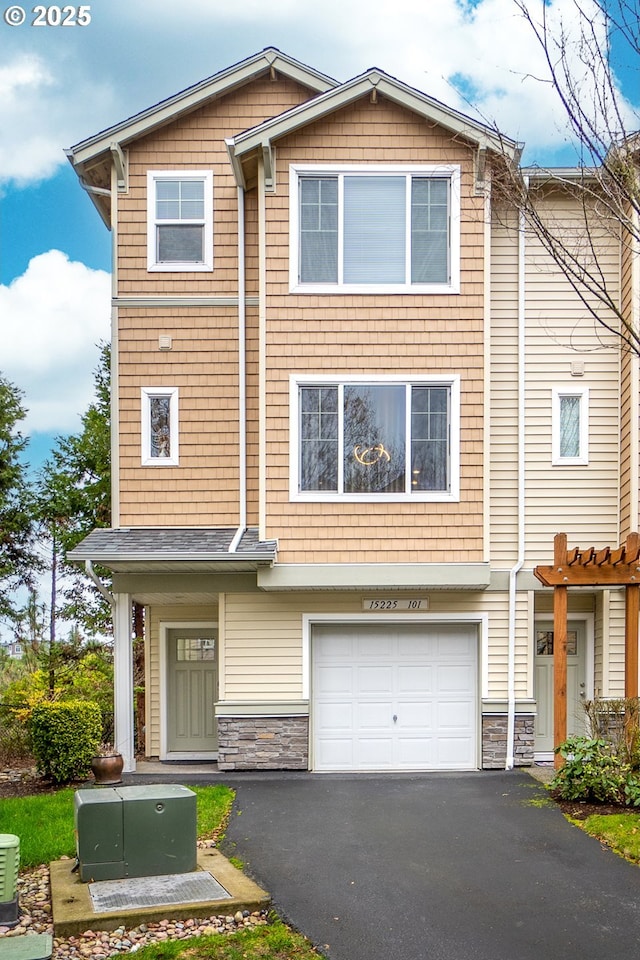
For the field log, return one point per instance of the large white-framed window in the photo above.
(375, 438)
(179, 220)
(159, 429)
(570, 426)
(375, 228)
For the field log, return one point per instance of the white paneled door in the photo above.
(396, 696)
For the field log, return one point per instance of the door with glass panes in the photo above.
(192, 680)
(576, 683)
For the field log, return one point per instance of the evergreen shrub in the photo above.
(64, 736)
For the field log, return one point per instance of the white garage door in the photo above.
(394, 696)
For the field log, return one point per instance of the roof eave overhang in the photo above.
(222, 562)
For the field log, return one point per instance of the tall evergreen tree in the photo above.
(18, 561)
(74, 498)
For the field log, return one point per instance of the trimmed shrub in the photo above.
(65, 736)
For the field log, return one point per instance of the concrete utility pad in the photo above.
(74, 912)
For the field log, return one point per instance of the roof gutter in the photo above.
(513, 573)
(242, 384)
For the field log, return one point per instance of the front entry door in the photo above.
(192, 677)
(544, 684)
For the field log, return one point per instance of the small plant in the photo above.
(64, 737)
(618, 722)
(106, 750)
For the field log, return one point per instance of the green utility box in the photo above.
(135, 831)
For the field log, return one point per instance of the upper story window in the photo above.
(179, 220)
(160, 426)
(570, 426)
(363, 229)
(375, 438)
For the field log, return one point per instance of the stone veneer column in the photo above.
(494, 741)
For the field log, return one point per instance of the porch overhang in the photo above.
(375, 576)
(174, 550)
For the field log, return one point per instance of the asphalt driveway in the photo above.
(434, 867)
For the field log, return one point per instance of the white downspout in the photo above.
(242, 384)
(513, 573)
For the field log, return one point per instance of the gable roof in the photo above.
(91, 158)
(372, 82)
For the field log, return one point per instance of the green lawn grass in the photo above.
(273, 942)
(44, 822)
(620, 831)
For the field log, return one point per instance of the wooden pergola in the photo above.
(590, 568)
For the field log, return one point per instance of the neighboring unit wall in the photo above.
(579, 500)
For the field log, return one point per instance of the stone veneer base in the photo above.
(263, 743)
(282, 743)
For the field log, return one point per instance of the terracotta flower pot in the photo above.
(108, 770)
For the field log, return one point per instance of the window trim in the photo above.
(179, 266)
(582, 393)
(450, 171)
(147, 393)
(431, 496)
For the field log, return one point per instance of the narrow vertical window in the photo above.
(159, 426)
(570, 426)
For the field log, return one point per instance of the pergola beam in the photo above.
(590, 568)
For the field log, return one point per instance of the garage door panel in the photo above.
(415, 678)
(416, 752)
(335, 680)
(424, 675)
(416, 714)
(375, 753)
(374, 680)
(455, 714)
(454, 679)
(336, 753)
(335, 715)
(374, 715)
(453, 752)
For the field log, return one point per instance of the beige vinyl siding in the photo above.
(403, 334)
(581, 501)
(613, 681)
(263, 640)
(503, 464)
(629, 446)
(155, 616)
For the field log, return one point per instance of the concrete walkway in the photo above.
(434, 867)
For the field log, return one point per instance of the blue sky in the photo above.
(59, 85)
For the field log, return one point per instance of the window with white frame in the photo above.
(375, 438)
(375, 229)
(570, 426)
(179, 220)
(160, 444)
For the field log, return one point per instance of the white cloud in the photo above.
(41, 112)
(52, 318)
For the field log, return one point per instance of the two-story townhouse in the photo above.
(352, 404)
